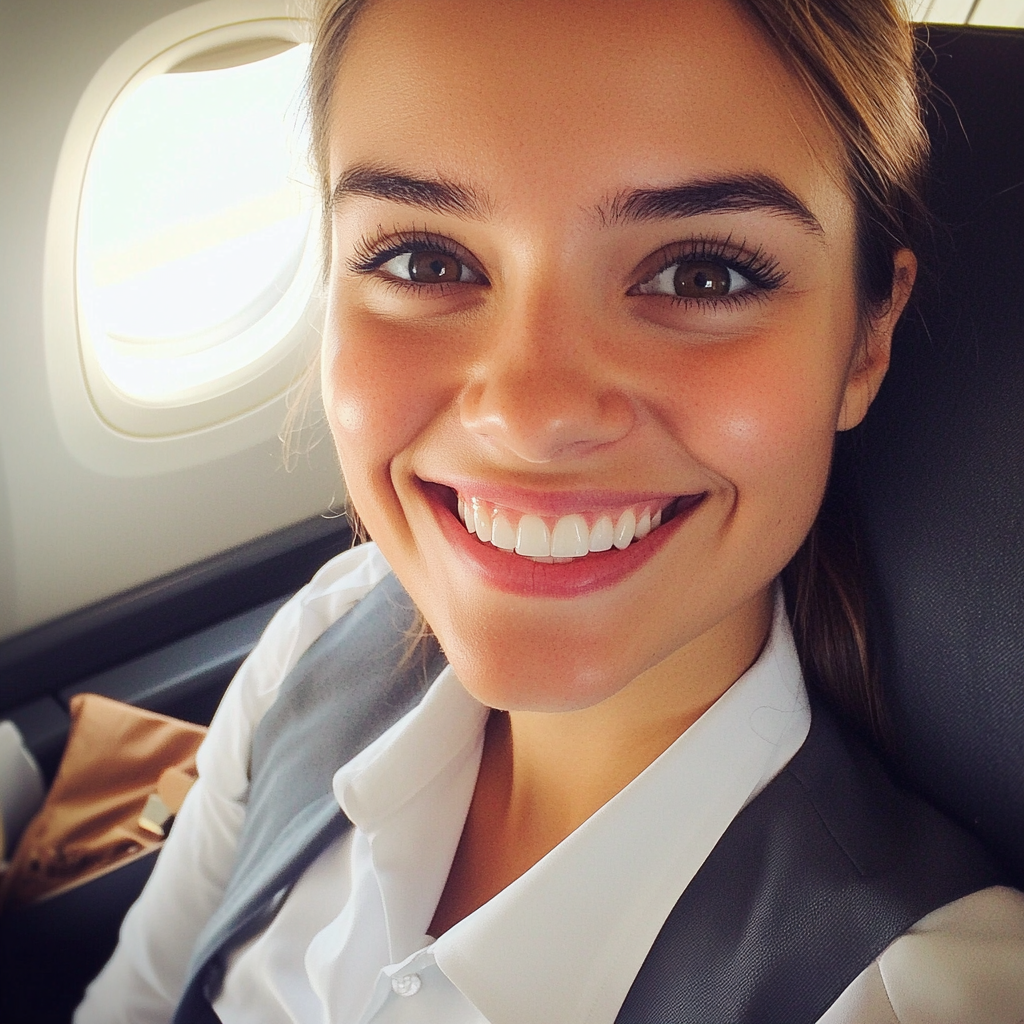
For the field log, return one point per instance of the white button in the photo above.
(406, 985)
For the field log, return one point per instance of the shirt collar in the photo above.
(408, 792)
(442, 730)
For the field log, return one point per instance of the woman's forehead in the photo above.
(575, 102)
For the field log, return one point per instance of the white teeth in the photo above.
(483, 522)
(502, 534)
(570, 538)
(602, 535)
(643, 527)
(624, 529)
(533, 538)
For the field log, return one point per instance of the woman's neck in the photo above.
(542, 774)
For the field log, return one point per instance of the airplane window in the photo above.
(996, 13)
(195, 254)
(1007, 13)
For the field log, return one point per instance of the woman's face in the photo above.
(592, 266)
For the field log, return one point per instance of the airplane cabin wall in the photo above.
(70, 534)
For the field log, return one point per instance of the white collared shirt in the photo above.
(561, 943)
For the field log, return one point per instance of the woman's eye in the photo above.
(429, 267)
(695, 279)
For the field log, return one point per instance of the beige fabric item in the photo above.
(117, 755)
(962, 964)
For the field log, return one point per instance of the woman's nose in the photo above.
(543, 392)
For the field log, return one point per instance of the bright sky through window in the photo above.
(194, 256)
(1000, 13)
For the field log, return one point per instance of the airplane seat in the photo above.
(937, 475)
(937, 469)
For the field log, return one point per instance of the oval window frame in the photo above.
(105, 429)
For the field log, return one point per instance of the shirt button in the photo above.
(406, 985)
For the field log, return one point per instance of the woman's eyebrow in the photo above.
(436, 194)
(734, 193)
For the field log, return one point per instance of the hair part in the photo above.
(857, 60)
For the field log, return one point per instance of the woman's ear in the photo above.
(871, 360)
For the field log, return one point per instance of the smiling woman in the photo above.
(604, 282)
(560, 347)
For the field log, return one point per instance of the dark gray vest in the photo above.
(813, 879)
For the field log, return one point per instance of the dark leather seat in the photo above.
(937, 471)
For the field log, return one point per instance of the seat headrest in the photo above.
(938, 466)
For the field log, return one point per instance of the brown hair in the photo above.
(857, 61)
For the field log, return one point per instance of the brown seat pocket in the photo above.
(117, 757)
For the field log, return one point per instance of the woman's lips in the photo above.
(524, 551)
(551, 504)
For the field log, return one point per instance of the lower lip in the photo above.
(515, 574)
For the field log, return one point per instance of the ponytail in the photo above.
(825, 591)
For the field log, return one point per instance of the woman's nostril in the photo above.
(543, 424)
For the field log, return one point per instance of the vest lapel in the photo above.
(353, 683)
(810, 883)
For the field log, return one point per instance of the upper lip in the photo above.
(555, 503)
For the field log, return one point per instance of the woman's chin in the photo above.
(530, 676)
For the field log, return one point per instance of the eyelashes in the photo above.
(759, 271)
(711, 274)
(371, 253)
(760, 268)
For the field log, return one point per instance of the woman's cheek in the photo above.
(378, 392)
(778, 429)
(762, 421)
